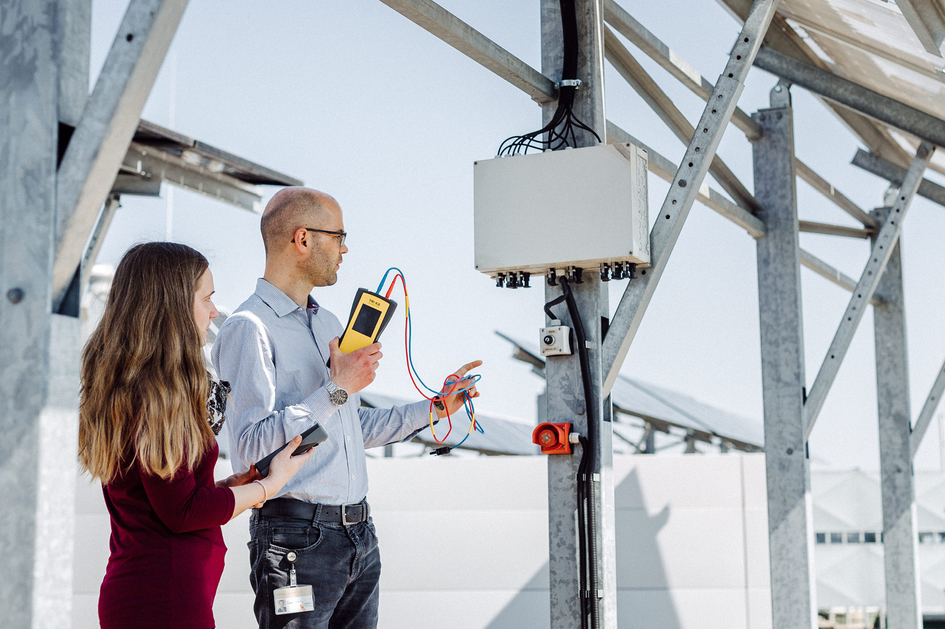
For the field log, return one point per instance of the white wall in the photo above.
(850, 573)
(464, 544)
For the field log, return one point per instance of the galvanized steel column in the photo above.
(28, 137)
(782, 370)
(564, 400)
(903, 609)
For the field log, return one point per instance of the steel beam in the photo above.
(826, 271)
(35, 555)
(833, 230)
(464, 38)
(684, 189)
(157, 165)
(790, 536)
(108, 123)
(882, 249)
(446, 26)
(639, 36)
(73, 35)
(883, 52)
(628, 67)
(136, 185)
(927, 22)
(925, 415)
(783, 39)
(849, 94)
(564, 397)
(98, 237)
(646, 41)
(819, 184)
(895, 175)
(666, 170)
(900, 551)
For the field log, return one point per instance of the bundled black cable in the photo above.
(559, 133)
(582, 529)
(586, 494)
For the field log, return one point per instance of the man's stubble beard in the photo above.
(322, 270)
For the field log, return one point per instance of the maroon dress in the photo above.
(166, 548)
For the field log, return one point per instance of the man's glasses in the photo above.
(341, 235)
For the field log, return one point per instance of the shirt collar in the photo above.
(280, 303)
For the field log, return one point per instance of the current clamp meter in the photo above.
(370, 314)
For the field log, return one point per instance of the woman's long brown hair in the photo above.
(144, 380)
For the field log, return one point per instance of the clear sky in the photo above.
(358, 101)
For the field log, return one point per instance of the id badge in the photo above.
(293, 599)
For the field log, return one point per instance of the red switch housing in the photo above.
(552, 438)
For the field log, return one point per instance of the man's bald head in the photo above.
(288, 210)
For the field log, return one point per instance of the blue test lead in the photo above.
(450, 384)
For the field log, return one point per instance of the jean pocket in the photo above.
(291, 537)
(297, 538)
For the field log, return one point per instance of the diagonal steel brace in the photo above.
(866, 287)
(108, 123)
(685, 189)
(925, 416)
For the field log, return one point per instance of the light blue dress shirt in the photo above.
(273, 354)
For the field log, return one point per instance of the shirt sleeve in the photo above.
(183, 506)
(383, 426)
(242, 355)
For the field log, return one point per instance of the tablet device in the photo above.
(310, 438)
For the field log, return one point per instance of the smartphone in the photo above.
(310, 438)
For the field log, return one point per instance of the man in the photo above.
(273, 351)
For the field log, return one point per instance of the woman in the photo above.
(144, 432)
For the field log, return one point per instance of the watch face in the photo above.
(339, 397)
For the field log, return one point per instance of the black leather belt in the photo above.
(343, 514)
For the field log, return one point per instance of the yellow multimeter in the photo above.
(370, 314)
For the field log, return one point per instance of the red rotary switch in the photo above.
(552, 438)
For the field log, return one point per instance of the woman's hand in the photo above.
(284, 466)
(243, 478)
(251, 493)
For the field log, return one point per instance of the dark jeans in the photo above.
(341, 563)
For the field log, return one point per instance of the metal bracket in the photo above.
(780, 95)
(575, 83)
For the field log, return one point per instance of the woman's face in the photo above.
(204, 310)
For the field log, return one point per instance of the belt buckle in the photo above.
(344, 514)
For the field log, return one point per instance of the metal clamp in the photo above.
(576, 83)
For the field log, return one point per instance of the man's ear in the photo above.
(301, 240)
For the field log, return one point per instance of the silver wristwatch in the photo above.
(337, 395)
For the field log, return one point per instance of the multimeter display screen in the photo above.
(367, 320)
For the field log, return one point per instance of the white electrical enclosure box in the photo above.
(576, 207)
